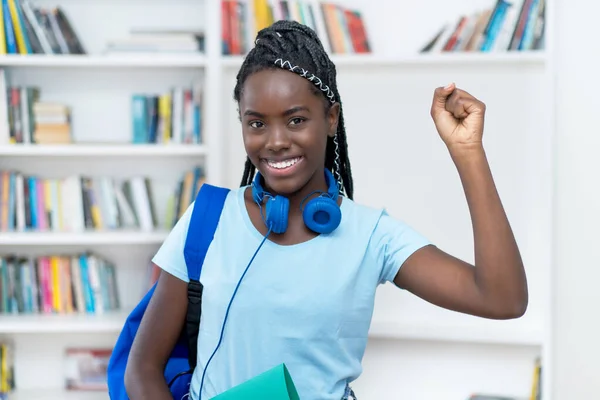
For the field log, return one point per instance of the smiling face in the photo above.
(285, 125)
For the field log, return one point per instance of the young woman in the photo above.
(307, 298)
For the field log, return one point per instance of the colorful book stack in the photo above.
(26, 29)
(507, 26)
(75, 204)
(172, 117)
(57, 284)
(28, 119)
(342, 30)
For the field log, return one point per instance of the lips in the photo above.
(283, 163)
(282, 166)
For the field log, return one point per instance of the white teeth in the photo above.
(283, 164)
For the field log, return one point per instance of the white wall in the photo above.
(576, 322)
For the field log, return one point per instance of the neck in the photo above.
(313, 188)
(316, 184)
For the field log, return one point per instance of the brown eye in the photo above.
(297, 120)
(256, 124)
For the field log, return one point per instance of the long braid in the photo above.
(296, 47)
(249, 171)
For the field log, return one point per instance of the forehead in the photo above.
(270, 87)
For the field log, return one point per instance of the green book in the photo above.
(274, 384)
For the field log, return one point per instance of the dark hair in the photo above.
(293, 46)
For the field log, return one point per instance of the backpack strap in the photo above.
(203, 224)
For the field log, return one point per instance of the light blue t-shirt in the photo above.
(307, 305)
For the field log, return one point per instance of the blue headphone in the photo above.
(321, 214)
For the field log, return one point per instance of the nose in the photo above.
(279, 139)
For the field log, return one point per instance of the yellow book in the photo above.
(262, 15)
(56, 295)
(3, 369)
(18, 29)
(2, 32)
(536, 380)
(164, 113)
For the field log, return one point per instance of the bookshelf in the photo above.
(99, 86)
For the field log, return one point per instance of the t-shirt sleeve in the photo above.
(393, 241)
(169, 256)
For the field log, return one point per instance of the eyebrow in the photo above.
(286, 113)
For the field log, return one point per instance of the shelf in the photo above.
(94, 61)
(81, 238)
(370, 60)
(111, 322)
(510, 332)
(57, 394)
(102, 150)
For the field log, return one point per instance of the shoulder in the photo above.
(391, 239)
(170, 255)
(359, 216)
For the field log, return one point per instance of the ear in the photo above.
(333, 117)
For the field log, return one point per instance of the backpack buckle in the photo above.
(195, 291)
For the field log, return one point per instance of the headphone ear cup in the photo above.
(277, 210)
(322, 215)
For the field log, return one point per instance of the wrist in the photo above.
(465, 152)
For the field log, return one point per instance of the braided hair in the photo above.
(296, 47)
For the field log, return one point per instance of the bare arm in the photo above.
(496, 287)
(157, 334)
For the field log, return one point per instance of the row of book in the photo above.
(26, 29)
(172, 117)
(515, 25)
(80, 203)
(25, 118)
(57, 284)
(340, 29)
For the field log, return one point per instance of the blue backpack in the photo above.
(182, 361)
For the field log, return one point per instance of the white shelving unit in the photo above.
(92, 238)
(93, 61)
(397, 160)
(57, 394)
(109, 322)
(103, 150)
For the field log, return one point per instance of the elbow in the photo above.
(517, 310)
(511, 307)
(131, 378)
